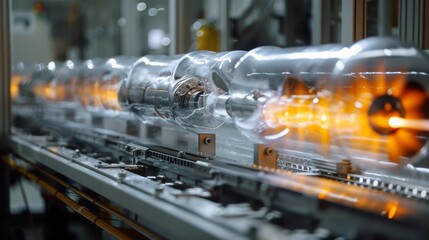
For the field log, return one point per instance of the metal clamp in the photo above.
(207, 144)
(265, 156)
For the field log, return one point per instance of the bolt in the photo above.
(256, 94)
(188, 86)
(200, 83)
(122, 174)
(207, 141)
(268, 151)
(181, 154)
(76, 153)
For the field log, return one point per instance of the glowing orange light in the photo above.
(322, 194)
(417, 124)
(108, 93)
(14, 85)
(87, 92)
(355, 97)
(392, 212)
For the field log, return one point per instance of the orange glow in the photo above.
(53, 90)
(322, 194)
(392, 212)
(304, 114)
(108, 93)
(87, 92)
(15, 80)
(349, 195)
(417, 124)
(352, 118)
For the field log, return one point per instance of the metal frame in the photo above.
(353, 20)
(158, 215)
(321, 12)
(414, 22)
(179, 22)
(384, 17)
(425, 25)
(130, 44)
(5, 114)
(5, 67)
(410, 16)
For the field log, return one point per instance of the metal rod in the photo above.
(179, 23)
(85, 212)
(5, 68)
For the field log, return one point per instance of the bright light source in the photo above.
(416, 124)
(152, 12)
(141, 6)
(394, 122)
(165, 41)
(51, 66)
(155, 37)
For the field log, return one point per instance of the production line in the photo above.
(315, 142)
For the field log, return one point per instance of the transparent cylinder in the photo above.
(112, 84)
(201, 80)
(87, 84)
(279, 96)
(181, 90)
(327, 100)
(386, 78)
(60, 88)
(41, 77)
(147, 88)
(20, 76)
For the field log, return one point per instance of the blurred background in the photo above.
(77, 29)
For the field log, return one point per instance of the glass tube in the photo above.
(87, 84)
(40, 79)
(20, 76)
(112, 83)
(201, 80)
(177, 89)
(387, 78)
(328, 100)
(146, 89)
(60, 88)
(279, 96)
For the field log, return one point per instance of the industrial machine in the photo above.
(325, 142)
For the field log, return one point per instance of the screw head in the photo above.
(122, 174)
(207, 140)
(268, 151)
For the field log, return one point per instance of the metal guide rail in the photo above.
(214, 199)
(327, 170)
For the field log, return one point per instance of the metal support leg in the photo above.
(353, 20)
(180, 22)
(4, 116)
(321, 12)
(410, 19)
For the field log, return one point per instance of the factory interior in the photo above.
(214, 119)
